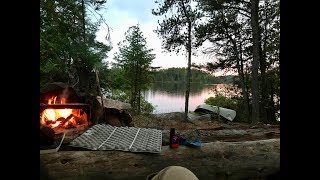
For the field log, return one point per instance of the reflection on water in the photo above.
(170, 97)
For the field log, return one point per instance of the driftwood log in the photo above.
(215, 160)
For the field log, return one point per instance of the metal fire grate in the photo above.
(85, 107)
(107, 137)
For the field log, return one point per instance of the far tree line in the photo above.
(178, 75)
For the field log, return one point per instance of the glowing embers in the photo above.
(59, 114)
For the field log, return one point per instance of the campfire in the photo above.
(61, 111)
(58, 114)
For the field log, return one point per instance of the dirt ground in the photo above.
(231, 150)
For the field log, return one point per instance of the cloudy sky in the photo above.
(121, 14)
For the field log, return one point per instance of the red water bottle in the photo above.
(174, 139)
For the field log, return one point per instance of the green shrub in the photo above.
(146, 107)
(235, 103)
(222, 101)
(118, 95)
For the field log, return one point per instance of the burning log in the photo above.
(49, 122)
(60, 107)
(69, 125)
(64, 115)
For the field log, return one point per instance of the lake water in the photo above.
(170, 97)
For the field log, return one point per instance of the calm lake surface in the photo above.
(170, 97)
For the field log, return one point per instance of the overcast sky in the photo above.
(121, 14)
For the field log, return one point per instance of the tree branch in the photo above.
(238, 8)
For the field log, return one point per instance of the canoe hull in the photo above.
(229, 114)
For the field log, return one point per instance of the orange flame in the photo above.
(55, 117)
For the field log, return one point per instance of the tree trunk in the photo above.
(83, 74)
(238, 55)
(265, 90)
(242, 83)
(255, 62)
(215, 160)
(140, 75)
(188, 47)
(244, 87)
(271, 113)
(246, 80)
(186, 110)
(244, 91)
(83, 20)
(139, 101)
(239, 65)
(132, 100)
(135, 88)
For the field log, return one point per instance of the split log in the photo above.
(214, 160)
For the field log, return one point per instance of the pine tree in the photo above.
(135, 60)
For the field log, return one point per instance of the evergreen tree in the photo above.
(135, 59)
(68, 48)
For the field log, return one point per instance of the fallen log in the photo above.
(216, 134)
(214, 160)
